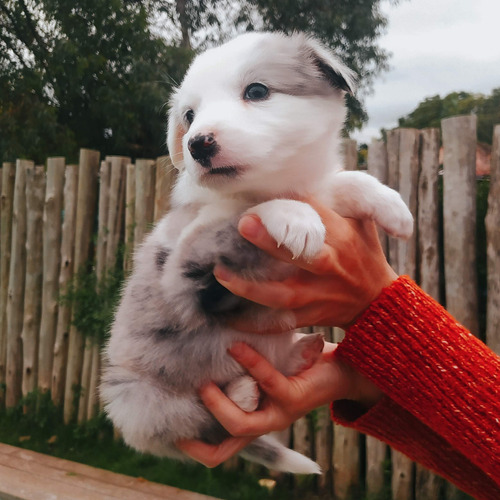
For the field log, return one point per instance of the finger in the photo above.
(274, 294)
(252, 229)
(270, 380)
(213, 455)
(249, 325)
(236, 421)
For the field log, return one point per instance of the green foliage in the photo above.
(432, 110)
(85, 74)
(94, 301)
(350, 28)
(97, 73)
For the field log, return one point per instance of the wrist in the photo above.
(359, 388)
(385, 280)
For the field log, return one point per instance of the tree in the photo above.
(97, 73)
(350, 27)
(432, 110)
(82, 74)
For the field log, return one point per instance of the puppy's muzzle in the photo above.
(203, 148)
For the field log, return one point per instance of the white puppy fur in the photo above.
(255, 124)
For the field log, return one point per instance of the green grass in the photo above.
(93, 444)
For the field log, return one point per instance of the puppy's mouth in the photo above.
(228, 170)
(220, 173)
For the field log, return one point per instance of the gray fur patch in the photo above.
(262, 449)
(165, 332)
(161, 257)
(213, 433)
(293, 67)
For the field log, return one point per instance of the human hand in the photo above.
(331, 290)
(285, 400)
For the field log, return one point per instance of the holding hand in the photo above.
(285, 400)
(331, 290)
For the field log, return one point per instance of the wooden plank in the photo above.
(323, 434)
(376, 451)
(83, 479)
(428, 209)
(376, 457)
(428, 485)
(144, 198)
(110, 221)
(459, 214)
(406, 263)
(6, 205)
(15, 300)
(116, 208)
(166, 175)
(130, 218)
(350, 154)
(346, 452)
(493, 248)
(67, 251)
(35, 195)
(52, 224)
(409, 145)
(377, 165)
(393, 139)
(85, 211)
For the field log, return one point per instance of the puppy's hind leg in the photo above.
(304, 353)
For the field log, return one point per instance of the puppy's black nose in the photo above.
(202, 148)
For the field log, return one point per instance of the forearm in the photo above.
(430, 366)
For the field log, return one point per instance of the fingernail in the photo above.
(222, 274)
(250, 226)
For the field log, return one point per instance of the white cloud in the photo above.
(437, 46)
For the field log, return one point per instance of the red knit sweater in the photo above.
(441, 384)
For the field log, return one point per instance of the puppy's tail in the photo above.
(268, 451)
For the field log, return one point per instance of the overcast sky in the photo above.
(437, 46)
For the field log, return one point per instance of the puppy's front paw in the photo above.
(244, 392)
(394, 217)
(293, 224)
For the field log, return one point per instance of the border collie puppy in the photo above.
(255, 125)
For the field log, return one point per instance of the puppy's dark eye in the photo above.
(256, 92)
(189, 116)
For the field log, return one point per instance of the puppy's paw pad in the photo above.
(244, 392)
(293, 224)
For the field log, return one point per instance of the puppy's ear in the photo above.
(175, 133)
(330, 67)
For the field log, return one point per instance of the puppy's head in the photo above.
(261, 113)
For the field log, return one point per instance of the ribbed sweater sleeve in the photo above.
(442, 386)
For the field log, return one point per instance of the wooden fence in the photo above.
(57, 218)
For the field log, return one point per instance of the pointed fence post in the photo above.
(52, 226)
(377, 451)
(459, 214)
(67, 251)
(17, 278)
(85, 212)
(7, 201)
(493, 248)
(428, 486)
(35, 195)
